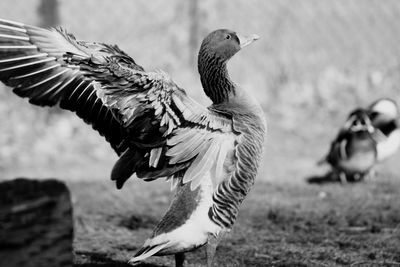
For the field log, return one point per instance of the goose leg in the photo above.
(343, 178)
(212, 244)
(179, 259)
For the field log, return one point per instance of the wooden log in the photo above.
(36, 226)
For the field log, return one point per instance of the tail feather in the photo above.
(125, 166)
(147, 251)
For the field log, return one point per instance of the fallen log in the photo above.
(36, 225)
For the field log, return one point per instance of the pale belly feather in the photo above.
(195, 231)
(359, 162)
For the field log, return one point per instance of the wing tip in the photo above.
(119, 180)
(119, 184)
(6, 21)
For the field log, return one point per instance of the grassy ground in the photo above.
(280, 224)
(284, 221)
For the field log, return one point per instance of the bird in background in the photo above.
(385, 118)
(210, 154)
(353, 153)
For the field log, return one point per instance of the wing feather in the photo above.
(180, 135)
(187, 144)
(224, 149)
(190, 152)
(201, 165)
(155, 155)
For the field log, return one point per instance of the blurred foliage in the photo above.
(316, 61)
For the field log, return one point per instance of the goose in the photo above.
(384, 115)
(353, 153)
(209, 154)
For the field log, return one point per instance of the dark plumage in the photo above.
(353, 152)
(211, 154)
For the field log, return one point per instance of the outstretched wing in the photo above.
(157, 130)
(34, 62)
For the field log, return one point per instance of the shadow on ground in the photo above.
(326, 178)
(116, 264)
(90, 259)
(331, 177)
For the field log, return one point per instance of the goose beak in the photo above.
(246, 40)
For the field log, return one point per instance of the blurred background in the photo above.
(316, 61)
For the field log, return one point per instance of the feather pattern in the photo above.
(230, 192)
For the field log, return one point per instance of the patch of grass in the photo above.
(280, 224)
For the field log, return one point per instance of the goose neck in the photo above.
(215, 78)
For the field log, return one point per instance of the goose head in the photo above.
(223, 44)
(216, 49)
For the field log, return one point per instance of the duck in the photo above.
(211, 155)
(384, 116)
(353, 153)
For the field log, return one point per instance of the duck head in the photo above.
(224, 44)
(358, 121)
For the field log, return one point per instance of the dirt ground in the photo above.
(280, 224)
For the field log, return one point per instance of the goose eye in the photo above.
(228, 36)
